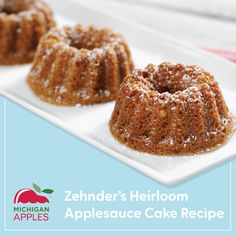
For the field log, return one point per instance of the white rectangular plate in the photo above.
(148, 46)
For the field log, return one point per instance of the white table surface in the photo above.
(181, 20)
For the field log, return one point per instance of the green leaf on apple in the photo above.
(48, 191)
(36, 188)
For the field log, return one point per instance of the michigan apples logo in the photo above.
(31, 204)
(27, 195)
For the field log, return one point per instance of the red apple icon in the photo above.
(27, 195)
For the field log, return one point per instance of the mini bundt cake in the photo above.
(22, 24)
(80, 65)
(171, 110)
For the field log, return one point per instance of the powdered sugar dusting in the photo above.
(84, 68)
(178, 109)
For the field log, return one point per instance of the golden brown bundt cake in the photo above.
(22, 24)
(80, 65)
(171, 109)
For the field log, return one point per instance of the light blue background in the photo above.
(37, 151)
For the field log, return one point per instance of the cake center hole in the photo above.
(171, 85)
(88, 38)
(166, 89)
(83, 43)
